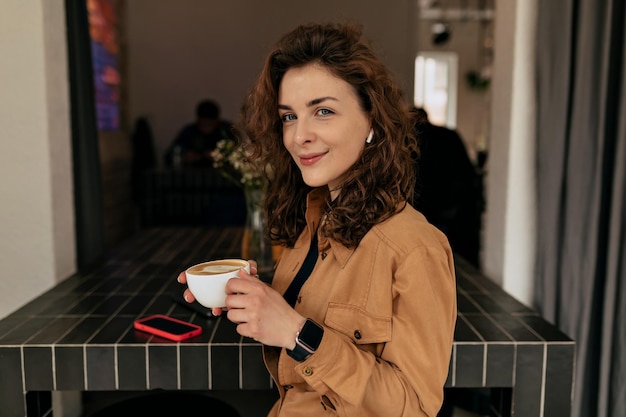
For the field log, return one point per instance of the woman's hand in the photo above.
(260, 312)
(188, 295)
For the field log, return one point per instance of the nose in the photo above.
(303, 132)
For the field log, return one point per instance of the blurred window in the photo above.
(436, 86)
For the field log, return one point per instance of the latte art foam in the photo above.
(214, 268)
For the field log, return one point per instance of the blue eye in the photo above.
(287, 117)
(324, 112)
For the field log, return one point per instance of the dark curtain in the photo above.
(581, 158)
(88, 201)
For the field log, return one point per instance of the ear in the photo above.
(370, 136)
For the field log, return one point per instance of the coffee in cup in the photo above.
(207, 280)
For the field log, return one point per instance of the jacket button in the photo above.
(307, 371)
(357, 334)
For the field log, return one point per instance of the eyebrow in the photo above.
(313, 102)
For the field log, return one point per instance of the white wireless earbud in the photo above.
(370, 136)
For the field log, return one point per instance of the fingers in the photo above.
(252, 275)
(253, 266)
(217, 311)
(188, 296)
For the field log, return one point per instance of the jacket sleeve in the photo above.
(405, 375)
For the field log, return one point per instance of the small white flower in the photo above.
(230, 158)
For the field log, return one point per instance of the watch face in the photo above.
(311, 334)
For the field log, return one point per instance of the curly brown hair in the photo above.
(382, 179)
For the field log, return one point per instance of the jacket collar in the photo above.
(316, 201)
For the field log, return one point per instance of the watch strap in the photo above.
(307, 341)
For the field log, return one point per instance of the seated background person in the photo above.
(193, 144)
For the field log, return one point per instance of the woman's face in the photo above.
(324, 126)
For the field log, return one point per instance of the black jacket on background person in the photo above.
(448, 188)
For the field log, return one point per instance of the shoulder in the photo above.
(408, 230)
(188, 129)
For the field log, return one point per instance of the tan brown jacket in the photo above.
(388, 308)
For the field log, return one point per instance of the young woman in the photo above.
(360, 315)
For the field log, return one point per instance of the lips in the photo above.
(310, 159)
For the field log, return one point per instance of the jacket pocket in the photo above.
(359, 325)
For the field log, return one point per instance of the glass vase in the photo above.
(254, 244)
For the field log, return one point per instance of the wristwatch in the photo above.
(308, 340)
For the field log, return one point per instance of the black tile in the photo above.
(38, 368)
(484, 283)
(224, 367)
(254, 373)
(155, 284)
(469, 365)
(136, 305)
(84, 306)
(515, 328)
(111, 285)
(130, 286)
(226, 332)
(83, 331)
(85, 285)
(465, 305)
(64, 304)
(208, 325)
(11, 382)
(52, 332)
(131, 367)
(487, 303)
(546, 330)
(500, 365)
(509, 303)
(69, 368)
(463, 332)
(112, 331)
(161, 304)
(100, 367)
(8, 324)
(487, 327)
(25, 331)
(110, 305)
(559, 380)
(194, 367)
(465, 284)
(528, 380)
(163, 366)
(39, 304)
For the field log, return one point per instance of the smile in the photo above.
(310, 159)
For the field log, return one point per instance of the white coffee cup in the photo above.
(207, 280)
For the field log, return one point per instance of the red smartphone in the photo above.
(168, 327)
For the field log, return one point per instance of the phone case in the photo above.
(168, 327)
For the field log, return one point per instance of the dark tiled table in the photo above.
(79, 337)
(500, 343)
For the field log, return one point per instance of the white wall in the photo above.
(181, 52)
(37, 247)
(510, 218)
